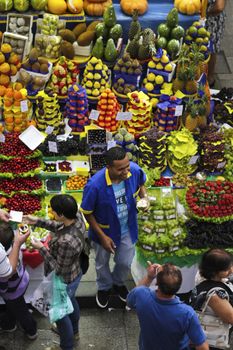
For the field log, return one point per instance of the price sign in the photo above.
(193, 160)
(111, 144)
(52, 147)
(94, 115)
(2, 138)
(124, 116)
(24, 106)
(49, 130)
(179, 110)
(167, 190)
(221, 165)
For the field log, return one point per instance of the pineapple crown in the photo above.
(195, 54)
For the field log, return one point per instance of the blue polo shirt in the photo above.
(165, 324)
(99, 200)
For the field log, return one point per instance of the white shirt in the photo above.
(5, 266)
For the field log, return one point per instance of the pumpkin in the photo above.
(57, 7)
(95, 9)
(188, 7)
(129, 6)
(75, 6)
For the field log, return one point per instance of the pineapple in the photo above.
(177, 84)
(201, 118)
(135, 27)
(190, 119)
(191, 84)
(133, 47)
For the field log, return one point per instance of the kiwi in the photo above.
(79, 29)
(92, 25)
(33, 55)
(67, 49)
(43, 61)
(26, 65)
(36, 67)
(44, 68)
(67, 35)
(86, 38)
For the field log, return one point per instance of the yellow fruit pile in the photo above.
(76, 182)
(9, 64)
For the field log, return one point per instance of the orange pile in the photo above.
(108, 107)
(76, 182)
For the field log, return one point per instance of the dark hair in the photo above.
(6, 235)
(169, 279)
(114, 153)
(214, 261)
(64, 204)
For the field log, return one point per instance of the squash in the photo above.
(188, 7)
(129, 6)
(95, 9)
(75, 6)
(57, 7)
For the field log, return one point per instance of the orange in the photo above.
(9, 119)
(18, 120)
(18, 128)
(9, 92)
(2, 90)
(17, 103)
(7, 103)
(17, 95)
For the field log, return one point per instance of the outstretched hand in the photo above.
(152, 270)
(4, 216)
(29, 219)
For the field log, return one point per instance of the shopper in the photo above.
(109, 206)
(165, 322)
(215, 268)
(63, 257)
(14, 281)
(215, 23)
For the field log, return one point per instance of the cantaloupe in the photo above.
(75, 6)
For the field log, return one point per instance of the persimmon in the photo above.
(9, 92)
(2, 90)
(17, 128)
(31, 122)
(17, 95)
(9, 119)
(1, 128)
(8, 103)
(18, 120)
(16, 103)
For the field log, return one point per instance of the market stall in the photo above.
(84, 77)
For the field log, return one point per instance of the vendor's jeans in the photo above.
(123, 258)
(69, 325)
(17, 310)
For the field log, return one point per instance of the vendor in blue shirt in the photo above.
(166, 323)
(109, 206)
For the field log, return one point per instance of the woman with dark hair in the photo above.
(63, 257)
(215, 268)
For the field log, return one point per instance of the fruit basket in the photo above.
(75, 183)
(54, 185)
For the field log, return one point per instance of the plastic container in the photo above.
(82, 50)
(50, 24)
(48, 46)
(18, 23)
(35, 76)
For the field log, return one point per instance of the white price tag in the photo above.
(221, 165)
(24, 106)
(94, 115)
(49, 129)
(2, 138)
(111, 144)
(177, 232)
(167, 190)
(16, 216)
(226, 126)
(202, 21)
(179, 110)
(52, 147)
(124, 116)
(193, 160)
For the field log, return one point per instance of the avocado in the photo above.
(110, 52)
(98, 49)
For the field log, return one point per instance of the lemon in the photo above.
(168, 67)
(151, 77)
(95, 92)
(164, 59)
(89, 84)
(90, 76)
(159, 66)
(159, 80)
(149, 87)
(151, 64)
(96, 85)
(155, 59)
(154, 101)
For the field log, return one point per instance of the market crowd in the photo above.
(109, 206)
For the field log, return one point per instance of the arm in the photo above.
(142, 192)
(50, 225)
(203, 346)
(14, 254)
(106, 242)
(4, 216)
(222, 308)
(152, 270)
(217, 8)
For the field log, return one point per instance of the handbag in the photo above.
(84, 256)
(61, 304)
(217, 331)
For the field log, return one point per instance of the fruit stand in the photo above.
(101, 75)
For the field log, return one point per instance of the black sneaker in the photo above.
(121, 291)
(102, 298)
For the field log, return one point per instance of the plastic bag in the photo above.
(61, 304)
(42, 296)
